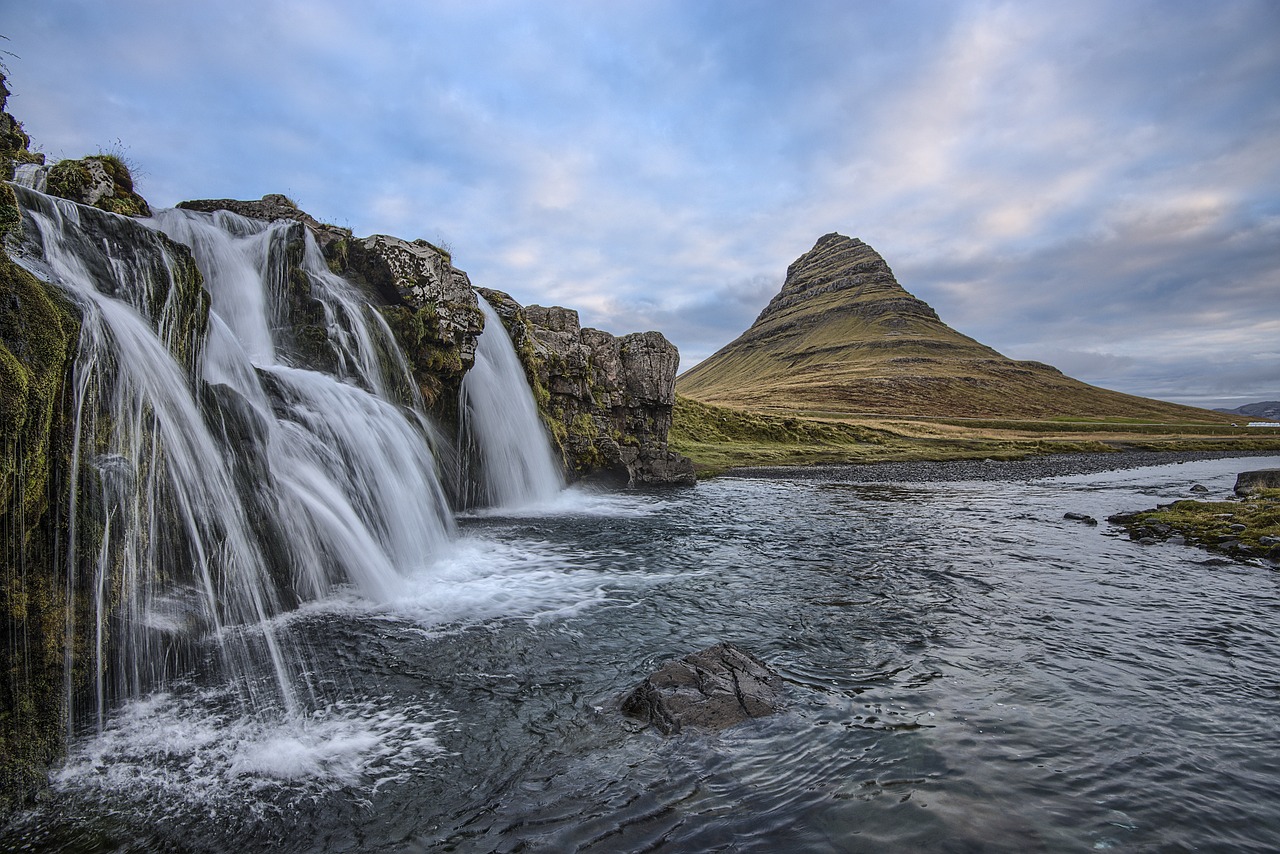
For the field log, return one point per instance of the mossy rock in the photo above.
(39, 331)
(437, 363)
(100, 180)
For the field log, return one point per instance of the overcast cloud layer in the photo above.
(1095, 184)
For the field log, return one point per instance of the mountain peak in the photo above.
(842, 336)
(852, 269)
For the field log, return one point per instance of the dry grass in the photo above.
(717, 438)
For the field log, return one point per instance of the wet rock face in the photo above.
(608, 398)
(712, 689)
(270, 208)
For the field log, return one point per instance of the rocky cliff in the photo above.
(607, 399)
(38, 333)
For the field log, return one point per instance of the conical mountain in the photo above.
(843, 337)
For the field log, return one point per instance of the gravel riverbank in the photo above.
(1032, 468)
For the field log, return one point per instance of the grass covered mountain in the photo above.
(842, 337)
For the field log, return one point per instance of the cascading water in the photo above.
(501, 433)
(217, 481)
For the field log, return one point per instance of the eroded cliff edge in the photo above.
(606, 400)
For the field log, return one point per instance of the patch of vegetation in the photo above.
(717, 438)
(39, 332)
(436, 364)
(101, 180)
(1243, 529)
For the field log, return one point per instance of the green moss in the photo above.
(337, 255)
(10, 216)
(68, 179)
(437, 364)
(1236, 527)
(73, 179)
(38, 335)
(183, 307)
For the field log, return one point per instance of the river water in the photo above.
(965, 671)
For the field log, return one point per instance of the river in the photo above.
(965, 670)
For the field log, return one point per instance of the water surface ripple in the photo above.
(965, 671)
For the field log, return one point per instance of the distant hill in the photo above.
(843, 337)
(1264, 409)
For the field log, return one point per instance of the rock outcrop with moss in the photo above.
(100, 181)
(42, 614)
(608, 400)
(38, 334)
(429, 305)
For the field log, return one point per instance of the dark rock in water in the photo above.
(1252, 481)
(1199, 487)
(712, 689)
(1080, 517)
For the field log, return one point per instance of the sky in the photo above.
(1095, 185)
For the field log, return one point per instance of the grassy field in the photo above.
(717, 437)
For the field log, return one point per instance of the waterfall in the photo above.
(218, 478)
(502, 434)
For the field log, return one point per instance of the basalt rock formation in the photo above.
(842, 336)
(608, 400)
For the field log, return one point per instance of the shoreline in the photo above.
(1031, 468)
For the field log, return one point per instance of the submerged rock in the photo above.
(1080, 517)
(712, 689)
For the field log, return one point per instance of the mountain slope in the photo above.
(1262, 409)
(843, 337)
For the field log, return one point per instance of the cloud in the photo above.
(1092, 181)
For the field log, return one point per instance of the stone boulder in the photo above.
(712, 689)
(1248, 482)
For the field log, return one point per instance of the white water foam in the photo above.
(171, 750)
(577, 501)
(480, 581)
